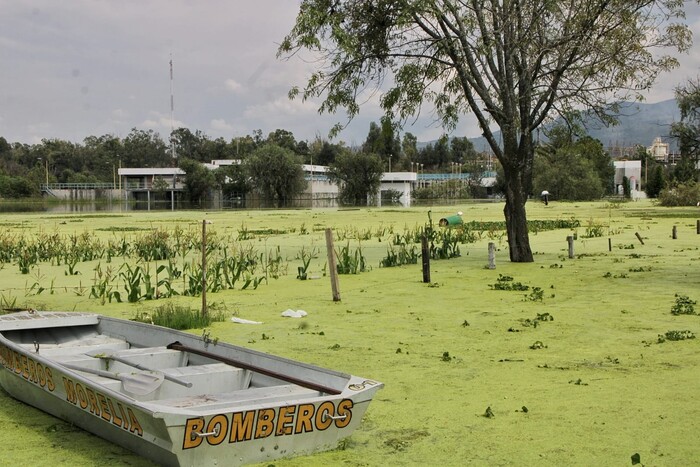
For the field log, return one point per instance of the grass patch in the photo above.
(179, 317)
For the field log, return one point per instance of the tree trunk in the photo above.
(516, 225)
(518, 179)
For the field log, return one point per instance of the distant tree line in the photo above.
(270, 165)
(569, 164)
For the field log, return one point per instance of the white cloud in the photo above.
(120, 114)
(161, 123)
(219, 124)
(233, 85)
(281, 106)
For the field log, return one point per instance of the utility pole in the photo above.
(172, 130)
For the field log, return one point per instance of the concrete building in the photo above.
(659, 150)
(633, 171)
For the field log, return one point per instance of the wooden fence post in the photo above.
(697, 227)
(425, 256)
(570, 241)
(674, 233)
(204, 268)
(609, 244)
(492, 255)
(332, 266)
(639, 237)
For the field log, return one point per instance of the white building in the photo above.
(659, 150)
(633, 171)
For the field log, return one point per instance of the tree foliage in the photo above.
(567, 175)
(687, 131)
(680, 194)
(513, 63)
(276, 172)
(359, 176)
(655, 181)
(199, 181)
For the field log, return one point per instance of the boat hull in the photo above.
(265, 419)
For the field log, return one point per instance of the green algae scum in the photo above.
(587, 358)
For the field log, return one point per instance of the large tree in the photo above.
(359, 176)
(513, 63)
(276, 172)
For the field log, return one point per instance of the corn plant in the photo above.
(305, 256)
(26, 261)
(404, 255)
(192, 275)
(102, 289)
(72, 263)
(350, 262)
(447, 246)
(8, 302)
(133, 279)
(274, 264)
(172, 274)
(154, 246)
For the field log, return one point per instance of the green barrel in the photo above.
(450, 221)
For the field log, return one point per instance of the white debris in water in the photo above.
(289, 313)
(244, 321)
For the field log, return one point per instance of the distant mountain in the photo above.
(639, 123)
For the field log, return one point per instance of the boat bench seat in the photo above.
(205, 379)
(225, 400)
(98, 342)
(153, 357)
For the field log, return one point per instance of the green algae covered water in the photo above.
(570, 370)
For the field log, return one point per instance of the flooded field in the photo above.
(564, 361)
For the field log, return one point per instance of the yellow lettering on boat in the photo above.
(32, 371)
(41, 374)
(82, 397)
(285, 419)
(219, 424)
(18, 363)
(70, 391)
(92, 402)
(304, 417)
(135, 425)
(192, 427)
(266, 423)
(105, 413)
(344, 410)
(115, 418)
(124, 416)
(324, 414)
(25, 367)
(49, 380)
(261, 423)
(242, 426)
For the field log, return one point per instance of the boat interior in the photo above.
(188, 380)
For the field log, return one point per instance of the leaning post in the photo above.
(425, 258)
(332, 266)
(204, 267)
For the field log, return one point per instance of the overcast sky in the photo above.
(75, 68)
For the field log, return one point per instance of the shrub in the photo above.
(683, 306)
(681, 194)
